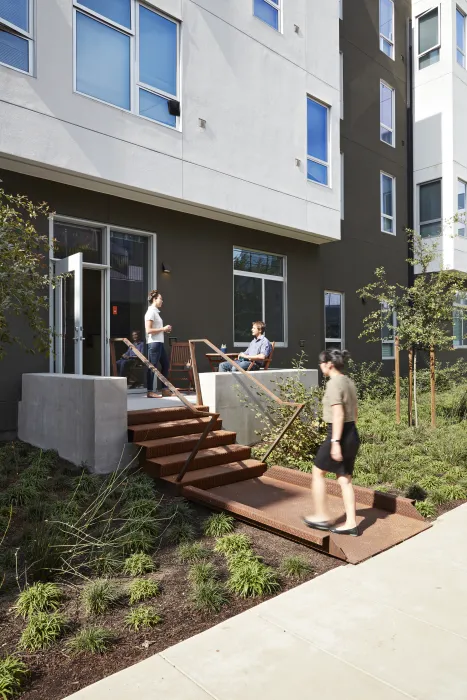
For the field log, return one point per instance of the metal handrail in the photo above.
(199, 399)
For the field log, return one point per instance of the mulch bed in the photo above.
(55, 674)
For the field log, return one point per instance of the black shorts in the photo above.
(350, 442)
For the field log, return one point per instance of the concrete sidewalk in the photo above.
(393, 627)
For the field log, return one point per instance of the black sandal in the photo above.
(352, 531)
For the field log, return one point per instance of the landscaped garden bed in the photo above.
(189, 585)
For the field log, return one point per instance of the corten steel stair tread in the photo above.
(174, 428)
(212, 477)
(167, 446)
(279, 500)
(159, 415)
(210, 457)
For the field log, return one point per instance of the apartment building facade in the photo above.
(249, 159)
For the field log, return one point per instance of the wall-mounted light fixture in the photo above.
(202, 123)
(166, 269)
(296, 29)
(298, 162)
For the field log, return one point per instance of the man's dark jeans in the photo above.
(244, 364)
(157, 355)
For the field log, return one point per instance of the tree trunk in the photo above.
(432, 387)
(415, 404)
(410, 385)
(398, 380)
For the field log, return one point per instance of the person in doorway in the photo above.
(129, 356)
(258, 350)
(155, 330)
(338, 452)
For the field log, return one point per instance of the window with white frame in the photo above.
(127, 55)
(386, 27)
(461, 199)
(460, 321)
(318, 142)
(430, 209)
(334, 320)
(429, 42)
(387, 113)
(259, 294)
(388, 203)
(388, 326)
(268, 11)
(460, 37)
(16, 34)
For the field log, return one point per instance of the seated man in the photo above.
(129, 355)
(258, 350)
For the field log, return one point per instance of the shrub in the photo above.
(369, 381)
(141, 508)
(42, 630)
(192, 552)
(40, 597)
(138, 564)
(177, 511)
(416, 492)
(426, 508)
(252, 579)
(44, 552)
(241, 558)
(87, 483)
(138, 540)
(219, 524)
(180, 532)
(93, 640)
(231, 544)
(12, 673)
(296, 568)
(138, 487)
(99, 596)
(105, 562)
(142, 589)
(208, 596)
(142, 618)
(202, 571)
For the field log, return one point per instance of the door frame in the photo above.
(105, 278)
(72, 264)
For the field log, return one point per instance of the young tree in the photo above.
(424, 311)
(24, 274)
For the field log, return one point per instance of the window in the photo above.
(388, 204)
(428, 38)
(16, 38)
(460, 321)
(334, 320)
(460, 37)
(127, 56)
(318, 146)
(259, 294)
(388, 325)
(268, 11)
(461, 199)
(386, 113)
(430, 209)
(386, 27)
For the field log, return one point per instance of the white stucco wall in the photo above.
(246, 80)
(440, 142)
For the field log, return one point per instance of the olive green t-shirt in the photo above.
(340, 390)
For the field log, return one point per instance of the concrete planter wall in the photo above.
(225, 393)
(83, 418)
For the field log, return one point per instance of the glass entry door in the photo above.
(68, 311)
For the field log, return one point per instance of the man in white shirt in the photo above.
(155, 330)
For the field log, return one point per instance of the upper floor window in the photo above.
(430, 209)
(461, 202)
(460, 321)
(334, 320)
(386, 27)
(127, 55)
(268, 11)
(388, 203)
(259, 293)
(318, 142)
(16, 37)
(386, 110)
(429, 42)
(460, 37)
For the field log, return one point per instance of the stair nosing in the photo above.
(204, 451)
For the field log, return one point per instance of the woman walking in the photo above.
(338, 452)
(155, 330)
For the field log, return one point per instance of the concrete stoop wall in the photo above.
(84, 418)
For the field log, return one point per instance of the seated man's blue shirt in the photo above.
(259, 346)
